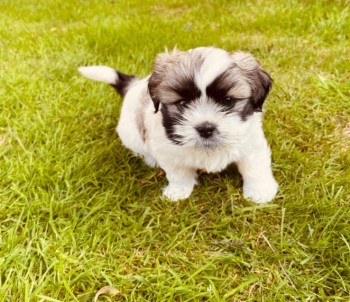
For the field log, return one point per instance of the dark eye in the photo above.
(227, 100)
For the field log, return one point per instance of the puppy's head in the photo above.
(207, 96)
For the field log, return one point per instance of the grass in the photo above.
(78, 212)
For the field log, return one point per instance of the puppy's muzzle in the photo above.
(206, 130)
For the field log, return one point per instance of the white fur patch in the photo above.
(230, 128)
(216, 61)
(103, 74)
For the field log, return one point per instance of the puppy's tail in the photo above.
(118, 80)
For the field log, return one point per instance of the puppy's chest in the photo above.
(207, 161)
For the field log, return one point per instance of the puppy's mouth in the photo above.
(203, 136)
(207, 144)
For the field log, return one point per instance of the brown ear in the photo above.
(159, 70)
(161, 65)
(261, 88)
(153, 85)
(259, 80)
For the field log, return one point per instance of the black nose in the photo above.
(206, 129)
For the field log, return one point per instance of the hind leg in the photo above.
(131, 138)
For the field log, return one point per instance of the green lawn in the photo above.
(79, 212)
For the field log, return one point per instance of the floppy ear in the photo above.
(161, 65)
(156, 77)
(261, 88)
(259, 80)
(153, 86)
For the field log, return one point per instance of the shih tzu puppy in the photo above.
(199, 109)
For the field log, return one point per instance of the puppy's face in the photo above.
(206, 96)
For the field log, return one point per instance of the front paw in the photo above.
(177, 192)
(261, 192)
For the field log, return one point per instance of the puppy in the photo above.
(199, 109)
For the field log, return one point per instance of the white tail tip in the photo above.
(103, 74)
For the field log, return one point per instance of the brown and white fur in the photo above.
(199, 109)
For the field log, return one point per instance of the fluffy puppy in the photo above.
(200, 109)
